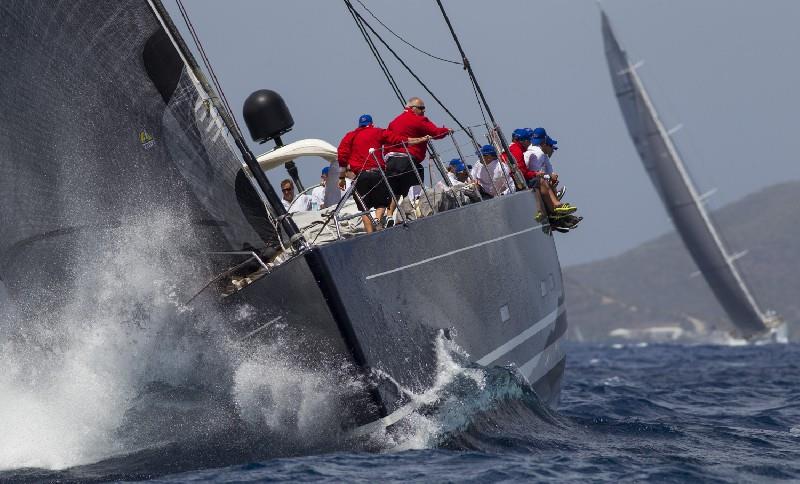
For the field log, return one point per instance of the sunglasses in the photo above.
(421, 108)
(287, 189)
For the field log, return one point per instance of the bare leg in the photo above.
(548, 196)
(379, 213)
(368, 227)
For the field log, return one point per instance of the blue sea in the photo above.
(628, 413)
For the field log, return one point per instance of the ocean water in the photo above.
(656, 413)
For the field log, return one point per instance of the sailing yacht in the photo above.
(681, 198)
(108, 126)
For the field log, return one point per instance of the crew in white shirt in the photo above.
(457, 173)
(301, 203)
(535, 157)
(493, 176)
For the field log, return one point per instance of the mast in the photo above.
(696, 198)
(671, 177)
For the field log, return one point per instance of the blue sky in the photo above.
(724, 69)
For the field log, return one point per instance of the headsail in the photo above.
(679, 195)
(102, 122)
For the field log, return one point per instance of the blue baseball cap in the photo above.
(325, 170)
(521, 133)
(365, 120)
(458, 164)
(488, 150)
(538, 135)
(550, 141)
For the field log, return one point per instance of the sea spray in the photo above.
(464, 398)
(70, 374)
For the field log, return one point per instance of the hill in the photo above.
(652, 285)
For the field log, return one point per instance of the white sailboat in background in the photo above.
(683, 201)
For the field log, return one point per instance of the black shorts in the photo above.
(372, 190)
(400, 171)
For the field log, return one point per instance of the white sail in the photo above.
(679, 195)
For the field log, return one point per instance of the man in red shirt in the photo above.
(520, 140)
(353, 154)
(401, 170)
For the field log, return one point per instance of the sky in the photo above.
(726, 70)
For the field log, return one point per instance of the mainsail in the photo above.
(679, 195)
(103, 123)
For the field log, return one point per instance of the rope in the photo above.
(400, 60)
(378, 58)
(404, 40)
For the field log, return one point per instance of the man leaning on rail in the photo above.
(405, 172)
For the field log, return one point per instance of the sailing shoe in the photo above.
(390, 223)
(561, 191)
(563, 230)
(573, 221)
(568, 222)
(564, 209)
(539, 217)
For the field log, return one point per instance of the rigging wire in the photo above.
(518, 179)
(207, 62)
(478, 100)
(290, 228)
(466, 63)
(406, 66)
(392, 83)
(404, 40)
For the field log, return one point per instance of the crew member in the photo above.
(457, 172)
(411, 123)
(536, 159)
(549, 149)
(354, 154)
(301, 203)
(492, 175)
(520, 140)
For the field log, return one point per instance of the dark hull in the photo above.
(486, 276)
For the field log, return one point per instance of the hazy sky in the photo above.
(726, 69)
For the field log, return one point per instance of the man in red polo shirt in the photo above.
(401, 170)
(520, 140)
(353, 154)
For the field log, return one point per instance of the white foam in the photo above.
(67, 381)
(420, 431)
(275, 392)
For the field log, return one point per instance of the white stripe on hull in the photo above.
(453, 252)
(540, 325)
